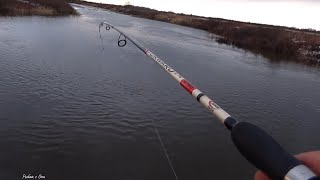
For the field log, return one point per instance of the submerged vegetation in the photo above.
(35, 7)
(274, 42)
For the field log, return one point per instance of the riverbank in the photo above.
(274, 42)
(35, 7)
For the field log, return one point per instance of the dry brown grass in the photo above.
(280, 43)
(35, 7)
(42, 11)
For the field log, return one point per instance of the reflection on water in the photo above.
(69, 110)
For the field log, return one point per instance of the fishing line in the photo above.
(100, 34)
(164, 149)
(122, 41)
(257, 146)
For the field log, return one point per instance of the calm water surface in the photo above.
(69, 110)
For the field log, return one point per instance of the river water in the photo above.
(69, 110)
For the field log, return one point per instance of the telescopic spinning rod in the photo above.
(258, 147)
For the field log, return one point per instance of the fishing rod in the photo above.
(257, 146)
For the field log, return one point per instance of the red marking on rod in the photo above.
(187, 86)
(213, 105)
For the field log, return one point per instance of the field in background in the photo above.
(35, 7)
(274, 42)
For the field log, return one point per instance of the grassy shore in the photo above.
(35, 7)
(274, 42)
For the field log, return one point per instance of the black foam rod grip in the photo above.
(315, 178)
(261, 150)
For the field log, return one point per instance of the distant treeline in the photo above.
(274, 42)
(35, 7)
